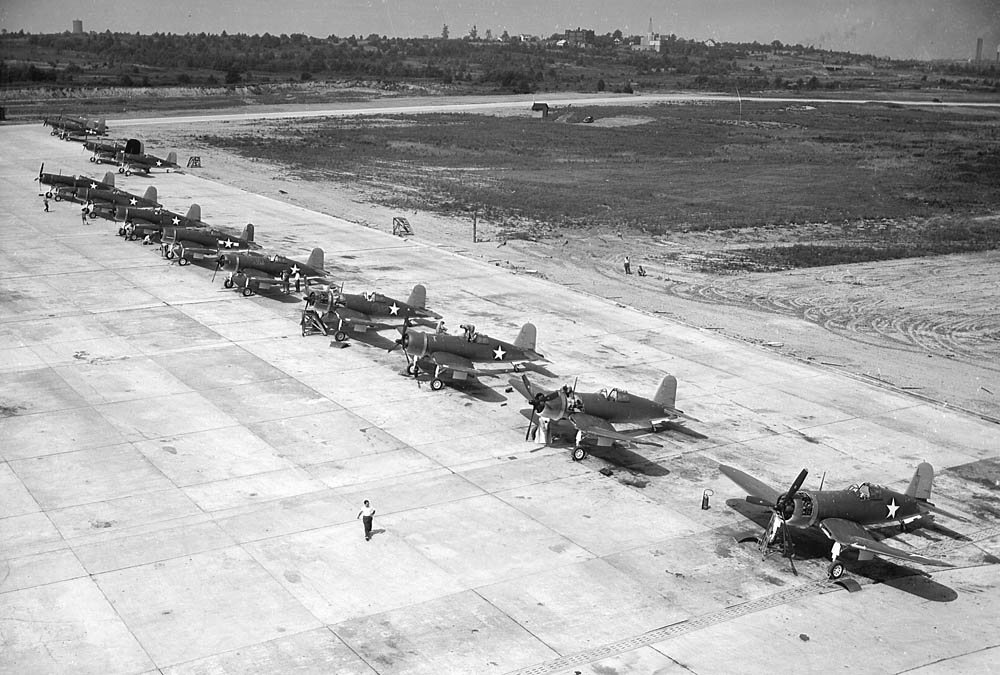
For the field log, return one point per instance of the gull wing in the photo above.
(453, 362)
(850, 534)
(601, 428)
(353, 316)
(751, 485)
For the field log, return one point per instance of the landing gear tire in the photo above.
(437, 385)
(128, 173)
(835, 570)
(49, 194)
(92, 159)
(121, 231)
(247, 291)
(168, 254)
(412, 370)
(340, 336)
(92, 215)
(121, 169)
(579, 454)
(57, 197)
(227, 283)
(182, 261)
(132, 236)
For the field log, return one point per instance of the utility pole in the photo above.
(475, 218)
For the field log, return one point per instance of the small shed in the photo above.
(540, 107)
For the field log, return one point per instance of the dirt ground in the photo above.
(927, 326)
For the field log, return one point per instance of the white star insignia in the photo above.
(892, 508)
(93, 186)
(499, 353)
(175, 220)
(393, 309)
(294, 271)
(159, 163)
(133, 201)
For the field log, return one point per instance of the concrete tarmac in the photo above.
(182, 473)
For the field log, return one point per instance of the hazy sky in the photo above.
(926, 29)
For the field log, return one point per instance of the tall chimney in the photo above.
(979, 50)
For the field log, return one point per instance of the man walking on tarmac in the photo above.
(366, 514)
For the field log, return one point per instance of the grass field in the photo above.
(870, 182)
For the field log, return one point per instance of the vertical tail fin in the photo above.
(666, 394)
(109, 178)
(418, 298)
(133, 146)
(150, 194)
(172, 157)
(194, 213)
(315, 260)
(248, 232)
(920, 484)
(102, 127)
(526, 338)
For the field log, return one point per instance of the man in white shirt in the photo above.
(366, 514)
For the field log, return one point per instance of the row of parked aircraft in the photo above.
(850, 518)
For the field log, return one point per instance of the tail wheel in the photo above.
(579, 454)
(437, 384)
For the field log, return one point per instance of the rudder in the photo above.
(920, 484)
(194, 213)
(666, 394)
(172, 157)
(418, 297)
(315, 260)
(526, 338)
(150, 194)
(248, 232)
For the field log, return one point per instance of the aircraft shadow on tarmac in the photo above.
(810, 544)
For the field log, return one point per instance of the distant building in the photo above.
(979, 50)
(579, 37)
(650, 42)
(77, 27)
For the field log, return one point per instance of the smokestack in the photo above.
(979, 50)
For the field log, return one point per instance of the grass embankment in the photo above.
(922, 174)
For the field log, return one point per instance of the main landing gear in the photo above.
(579, 453)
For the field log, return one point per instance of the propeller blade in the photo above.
(797, 484)
(531, 421)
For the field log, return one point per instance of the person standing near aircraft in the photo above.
(628, 265)
(45, 201)
(366, 515)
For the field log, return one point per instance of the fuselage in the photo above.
(868, 505)
(480, 347)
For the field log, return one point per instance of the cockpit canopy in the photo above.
(615, 394)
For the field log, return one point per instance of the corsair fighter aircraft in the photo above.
(185, 244)
(591, 416)
(848, 517)
(251, 272)
(361, 312)
(453, 357)
(58, 181)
